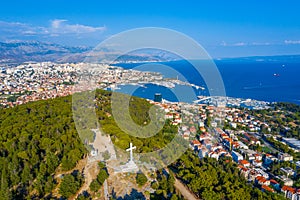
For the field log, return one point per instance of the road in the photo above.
(106, 195)
(90, 173)
(186, 193)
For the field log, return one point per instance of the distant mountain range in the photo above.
(24, 51)
(276, 58)
(17, 52)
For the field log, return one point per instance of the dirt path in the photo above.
(103, 143)
(187, 194)
(90, 173)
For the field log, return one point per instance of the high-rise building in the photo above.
(157, 97)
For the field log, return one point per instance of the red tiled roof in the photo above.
(204, 135)
(240, 166)
(288, 188)
(244, 140)
(235, 143)
(243, 168)
(261, 179)
(196, 142)
(244, 162)
(228, 139)
(267, 188)
(224, 135)
(273, 181)
(202, 129)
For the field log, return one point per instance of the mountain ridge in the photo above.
(17, 52)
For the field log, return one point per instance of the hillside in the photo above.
(39, 138)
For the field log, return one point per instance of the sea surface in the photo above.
(272, 81)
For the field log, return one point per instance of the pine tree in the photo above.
(4, 189)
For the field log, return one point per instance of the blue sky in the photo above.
(224, 28)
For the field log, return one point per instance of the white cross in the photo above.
(130, 149)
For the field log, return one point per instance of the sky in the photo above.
(224, 28)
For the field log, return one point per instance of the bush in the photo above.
(95, 186)
(141, 179)
(69, 186)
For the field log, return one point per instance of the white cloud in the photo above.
(261, 43)
(57, 27)
(61, 26)
(223, 43)
(55, 24)
(292, 42)
(29, 32)
(239, 44)
(11, 24)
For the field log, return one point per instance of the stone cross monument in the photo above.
(131, 152)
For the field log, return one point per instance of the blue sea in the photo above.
(272, 81)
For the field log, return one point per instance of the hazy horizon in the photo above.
(224, 29)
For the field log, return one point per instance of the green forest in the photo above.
(39, 138)
(36, 139)
(139, 113)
